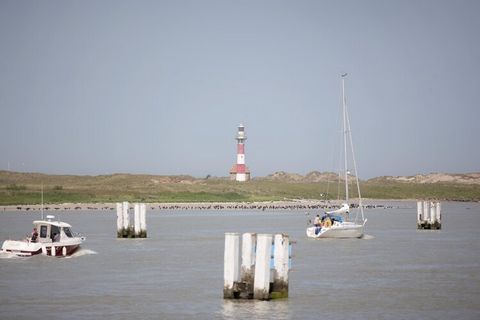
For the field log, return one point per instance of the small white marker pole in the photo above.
(143, 220)
(231, 269)
(119, 219)
(126, 218)
(136, 219)
(439, 214)
(419, 211)
(261, 285)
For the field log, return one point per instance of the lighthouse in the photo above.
(240, 171)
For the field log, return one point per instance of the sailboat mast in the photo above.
(344, 104)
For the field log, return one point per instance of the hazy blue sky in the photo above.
(98, 87)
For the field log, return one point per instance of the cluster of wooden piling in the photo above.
(131, 226)
(429, 215)
(263, 270)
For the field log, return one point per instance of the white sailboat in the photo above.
(337, 223)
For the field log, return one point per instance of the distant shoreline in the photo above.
(258, 206)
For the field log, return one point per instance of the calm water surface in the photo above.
(396, 272)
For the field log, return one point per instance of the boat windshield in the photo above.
(68, 232)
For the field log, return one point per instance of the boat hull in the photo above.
(27, 249)
(341, 230)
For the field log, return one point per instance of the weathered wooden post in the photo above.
(426, 210)
(433, 214)
(231, 270)
(419, 211)
(249, 242)
(136, 219)
(143, 220)
(119, 220)
(261, 285)
(281, 265)
(126, 219)
(439, 214)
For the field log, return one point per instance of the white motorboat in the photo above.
(53, 238)
(337, 223)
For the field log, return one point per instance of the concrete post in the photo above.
(261, 286)
(231, 270)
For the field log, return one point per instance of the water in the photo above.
(396, 272)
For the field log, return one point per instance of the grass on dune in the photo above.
(25, 188)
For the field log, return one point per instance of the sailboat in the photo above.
(337, 223)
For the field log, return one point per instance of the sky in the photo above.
(159, 87)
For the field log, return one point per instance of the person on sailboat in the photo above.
(326, 220)
(316, 221)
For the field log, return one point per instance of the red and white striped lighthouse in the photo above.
(240, 171)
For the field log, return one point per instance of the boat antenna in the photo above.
(42, 201)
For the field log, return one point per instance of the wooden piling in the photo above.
(231, 270)
(247, 272)
(126, 220)
(438, 212)
(136, 219)
(419, 210)
(261, 283)
(143, 220)
(426, 210)
(119, 220)
(281, 267)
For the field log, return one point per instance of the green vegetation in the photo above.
(25, 188)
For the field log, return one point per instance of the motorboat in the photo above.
(51, 238)
(339, 223)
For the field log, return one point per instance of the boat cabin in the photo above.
(52, 231)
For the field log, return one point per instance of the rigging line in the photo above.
(360, 204)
